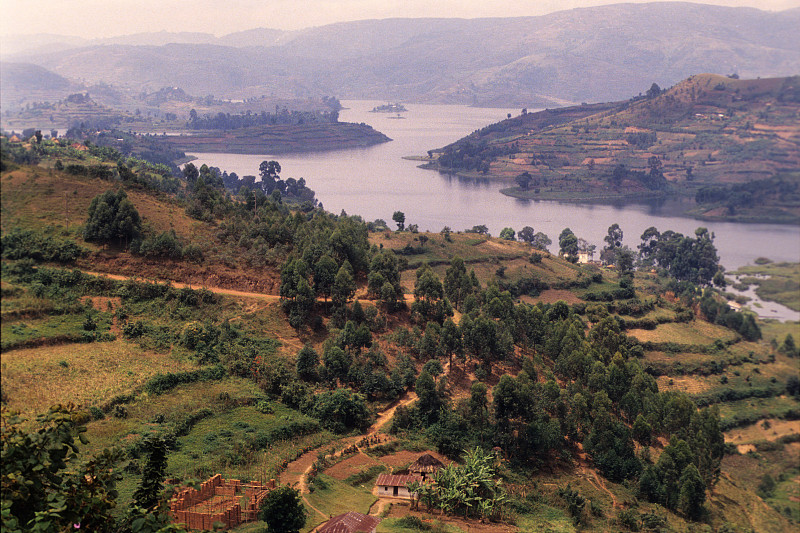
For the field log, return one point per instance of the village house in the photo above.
(396, 485)
(426, 466)
(350, 522)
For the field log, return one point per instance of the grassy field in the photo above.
(757, 408)
(84, 374)
(51, 330)
(334, 497)
(769, 429)
(547, 518)
(747, 472)
(224, 431)
(487, 257)
(696, 332)
(42, 199)
(416, 524)
(175, 406)
(218, 443)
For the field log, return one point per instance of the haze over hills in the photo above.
(590, 54)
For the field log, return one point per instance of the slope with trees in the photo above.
(554, 388)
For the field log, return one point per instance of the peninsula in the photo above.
(731, 145)
(280, 138)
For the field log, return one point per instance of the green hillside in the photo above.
(249, 333)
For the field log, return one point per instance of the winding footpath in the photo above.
(297, 472)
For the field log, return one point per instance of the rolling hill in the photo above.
(580, 55)
(216, 372)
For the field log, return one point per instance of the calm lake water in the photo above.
(375, 182)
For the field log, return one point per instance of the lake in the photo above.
(375, 182)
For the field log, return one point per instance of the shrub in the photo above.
(341, 410)
(413, 523)
(162, 383)
(184, 426)
(265, 407)
(596, 509)
(166, 245)
(653, 521)
(135, 330)
(575, 503)
(629, 519)
(75, 169)
(21, 244)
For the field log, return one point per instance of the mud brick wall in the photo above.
(231, 516)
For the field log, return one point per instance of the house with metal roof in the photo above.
(396, 486)
(350, 522)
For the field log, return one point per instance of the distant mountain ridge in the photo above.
(588, 54)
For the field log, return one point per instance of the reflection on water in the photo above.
(375, 182)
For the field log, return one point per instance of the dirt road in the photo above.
(297, 471)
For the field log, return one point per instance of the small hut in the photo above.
(426, 466)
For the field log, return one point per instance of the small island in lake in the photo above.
(389, 108)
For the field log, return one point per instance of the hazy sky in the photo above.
(107, 18)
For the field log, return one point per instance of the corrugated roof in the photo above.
(390, 480)
(350, 522)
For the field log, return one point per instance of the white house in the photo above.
(396, 486)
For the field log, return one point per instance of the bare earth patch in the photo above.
(690, 384)
(352, 465)
(745, 448)
(551, 296)
(757, 432)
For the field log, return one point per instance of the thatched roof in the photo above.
(426, 463)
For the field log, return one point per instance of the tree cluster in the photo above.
(471, 490)
(607, 402)
(227, 121)
(745, 195)
(683, 258)
(112, 219)
(653, 180)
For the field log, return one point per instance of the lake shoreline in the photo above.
(618, 200)
(377, 181)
